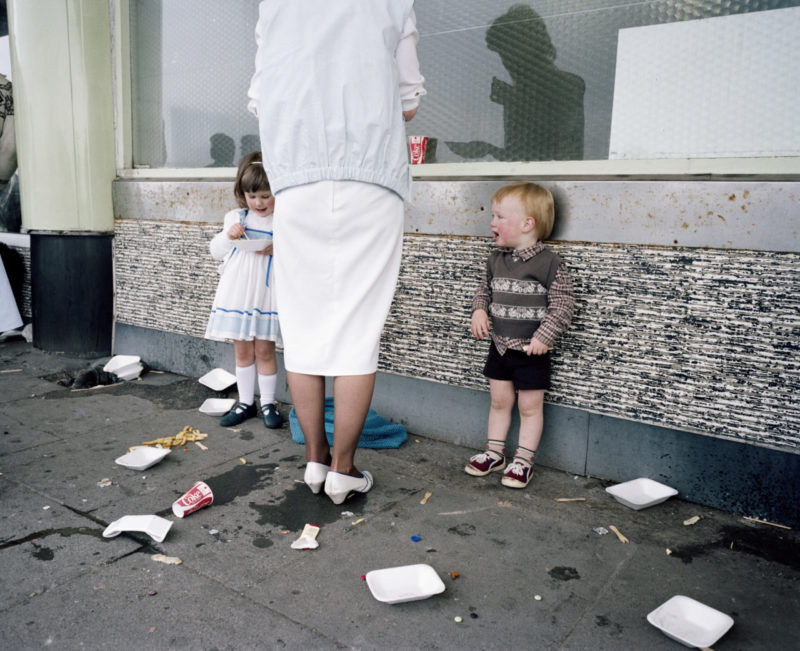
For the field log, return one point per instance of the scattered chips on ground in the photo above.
(618, 534)
(167, 560)
(186, 435)
(424, 500)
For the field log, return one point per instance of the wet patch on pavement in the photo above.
(463, 529)
(240, 481)
(299, 507)
(562, 573)
(771, 546)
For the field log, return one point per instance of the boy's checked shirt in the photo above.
(560, 301)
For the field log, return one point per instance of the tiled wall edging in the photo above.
(693, 339)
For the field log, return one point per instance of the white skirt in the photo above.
(337, 257)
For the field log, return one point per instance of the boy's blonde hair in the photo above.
(536, 201)
(250, 177)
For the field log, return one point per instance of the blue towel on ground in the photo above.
(377, 433)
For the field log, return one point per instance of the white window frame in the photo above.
(763, 168)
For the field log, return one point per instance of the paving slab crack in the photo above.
(600, 593)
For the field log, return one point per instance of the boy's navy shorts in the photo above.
(527, 372)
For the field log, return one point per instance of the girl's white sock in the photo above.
(266, 387)
(246, 383)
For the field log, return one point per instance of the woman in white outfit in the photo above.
(333, 84)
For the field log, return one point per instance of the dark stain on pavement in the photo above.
(463, 529)
(300, 507)
(562, 573)
(65, 531)
(261, 542)
(602, 620)
(773, 546)
(240, 481)
(42, 553)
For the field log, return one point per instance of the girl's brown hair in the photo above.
(250, 177)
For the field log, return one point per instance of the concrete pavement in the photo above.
(533, 572)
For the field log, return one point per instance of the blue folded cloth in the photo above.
(377, 433)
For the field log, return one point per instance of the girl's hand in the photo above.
(235, 231)
(536, 347)
(480, 324)
(409, 114)
(267, 250)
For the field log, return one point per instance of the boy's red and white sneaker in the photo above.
(518, 474)
(484, 463)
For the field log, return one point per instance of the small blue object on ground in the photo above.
(377, 433)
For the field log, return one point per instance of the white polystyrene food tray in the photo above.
(218, 379)
(641, 493)
(130, 372)
(253, 245)
(153, 525)
(217, 406)
(690, 622)
(142, 458)
(119, 362)
(396, 585)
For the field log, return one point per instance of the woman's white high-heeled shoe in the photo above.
(315, 475)
(339, 487)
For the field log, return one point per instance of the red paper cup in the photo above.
(417, 146)
(195, 498)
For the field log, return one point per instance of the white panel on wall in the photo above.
(717, 87)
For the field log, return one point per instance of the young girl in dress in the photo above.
(244, 306)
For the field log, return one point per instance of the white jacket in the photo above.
(332, 78)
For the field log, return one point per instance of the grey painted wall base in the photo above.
(742, 478)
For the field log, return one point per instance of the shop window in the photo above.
(550, 80)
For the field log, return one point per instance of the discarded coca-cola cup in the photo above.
(417, 145)
(195, 498)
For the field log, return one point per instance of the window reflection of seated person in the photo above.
(222, 151)
(543, 106)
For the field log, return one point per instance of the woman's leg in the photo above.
(352, 395)
(308, 397)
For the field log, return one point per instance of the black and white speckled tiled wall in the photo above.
(694, 339)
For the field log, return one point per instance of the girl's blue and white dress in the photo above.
(244, 305)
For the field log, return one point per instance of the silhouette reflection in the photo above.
(542, 107)
(222, 150)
